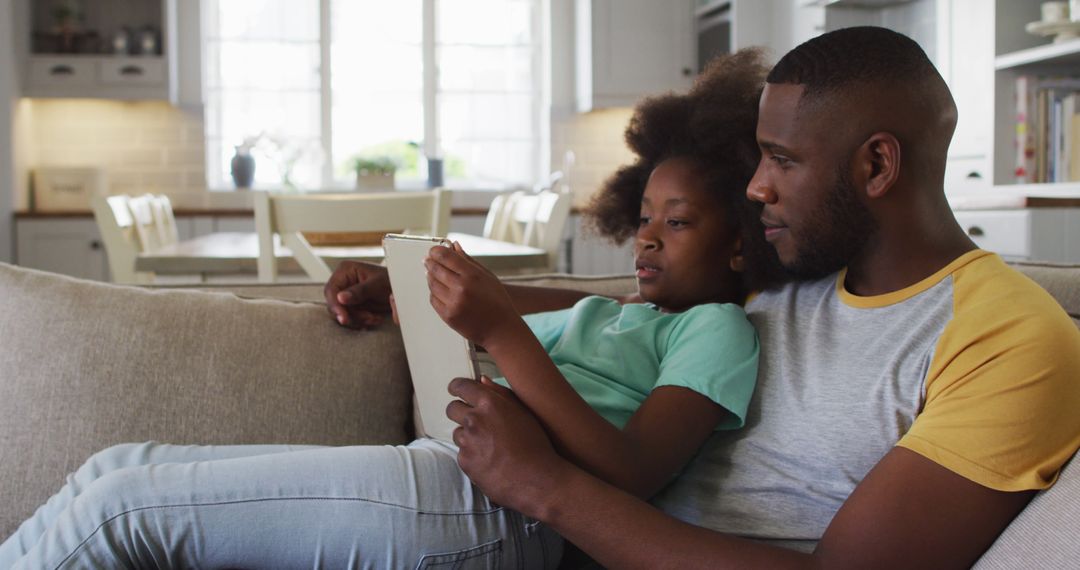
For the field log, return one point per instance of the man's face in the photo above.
(812, 213)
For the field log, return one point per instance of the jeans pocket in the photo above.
(486, 556)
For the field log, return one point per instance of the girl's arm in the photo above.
(661, 436)
(356, 295)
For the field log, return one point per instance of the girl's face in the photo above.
(685, 248)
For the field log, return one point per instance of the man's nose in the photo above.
(759, 189)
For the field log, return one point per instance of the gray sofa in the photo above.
(84, 365)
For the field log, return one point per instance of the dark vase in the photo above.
(243, 170)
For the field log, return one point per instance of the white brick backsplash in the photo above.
(144, 146)
(184, 157)
(171, 135)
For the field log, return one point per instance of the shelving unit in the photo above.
(1020, 53)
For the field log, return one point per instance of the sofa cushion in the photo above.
(1044, 535)
(85, 365)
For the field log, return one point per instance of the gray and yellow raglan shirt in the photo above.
(975, 367)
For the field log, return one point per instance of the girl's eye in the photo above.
(644, 220)
(675, 223)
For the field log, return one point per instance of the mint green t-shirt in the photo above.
(615, 355)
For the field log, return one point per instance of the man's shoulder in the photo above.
(989, 293)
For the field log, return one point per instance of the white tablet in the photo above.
(436, 353)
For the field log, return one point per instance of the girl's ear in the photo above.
(737, 262)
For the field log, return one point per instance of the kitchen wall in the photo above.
(145, 146)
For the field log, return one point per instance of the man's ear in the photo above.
(737, 261)
(879, 159)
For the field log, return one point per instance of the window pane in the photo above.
(485, 22)
(262, 81)
(277, 20)
(489, 89)
(485, 116)
(377, 83)
(490, 163)
(470, 68)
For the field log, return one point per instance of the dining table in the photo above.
(238, 253)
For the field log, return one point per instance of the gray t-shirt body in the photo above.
(838, 386)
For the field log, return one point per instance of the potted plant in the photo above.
(374, 172)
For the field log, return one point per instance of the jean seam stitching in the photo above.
(267, 499)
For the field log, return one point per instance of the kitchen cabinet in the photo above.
(1043, 234)
(965, 59)
(627, 49)
(68, 246)
(109, 49)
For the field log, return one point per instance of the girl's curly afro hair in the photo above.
(714, 125)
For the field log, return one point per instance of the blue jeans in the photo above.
(276, 506)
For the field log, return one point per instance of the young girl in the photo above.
(627, 391)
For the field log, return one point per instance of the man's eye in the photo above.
(676, 223)
(781, 161)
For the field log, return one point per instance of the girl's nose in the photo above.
(645, 240)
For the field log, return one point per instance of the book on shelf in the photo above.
(1047, 143)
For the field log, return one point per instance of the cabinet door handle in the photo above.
(61, 69)
(131, 71)
(95, 245)
(974, 175)
(687, 72)
(975, 231)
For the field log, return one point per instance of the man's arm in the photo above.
(908, 511)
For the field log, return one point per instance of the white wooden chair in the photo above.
(420, 213)
(536, 220)
(133, 225)
(117, 227)
(155, 225)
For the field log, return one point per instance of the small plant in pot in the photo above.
(374, 172)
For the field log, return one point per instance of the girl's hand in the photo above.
(468, 296)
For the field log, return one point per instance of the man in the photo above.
(914, 391)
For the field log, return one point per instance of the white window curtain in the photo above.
(478, 107)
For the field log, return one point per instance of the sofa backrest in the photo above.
(85, 365)
(1062, 281)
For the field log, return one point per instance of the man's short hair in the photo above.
(860, 55)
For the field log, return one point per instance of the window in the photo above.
(459, 80)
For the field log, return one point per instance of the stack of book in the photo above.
(1047, 129)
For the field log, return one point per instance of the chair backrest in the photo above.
(133, 225)
(153, 220)
(420, 213)
(117, 227)
(537, 220)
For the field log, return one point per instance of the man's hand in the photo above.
(357, 294)
(503, 449)
(468, 297)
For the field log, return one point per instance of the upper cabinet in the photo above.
(112, 49)
(627, 49)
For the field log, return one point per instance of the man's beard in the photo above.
(835, 233)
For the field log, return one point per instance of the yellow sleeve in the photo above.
(1002, 405)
